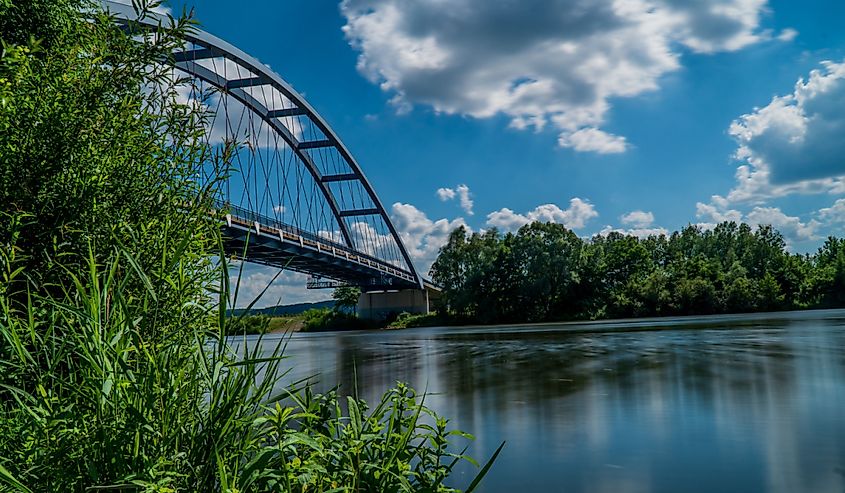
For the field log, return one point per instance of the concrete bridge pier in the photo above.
(379, 305)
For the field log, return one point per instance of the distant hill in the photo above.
(279, 310)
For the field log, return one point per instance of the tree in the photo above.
(96, 151)
(548, 257)
(105, 243)
(546, 272)
(827, 282)
(769, 295)
(346, 298)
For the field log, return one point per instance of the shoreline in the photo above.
(679, 322)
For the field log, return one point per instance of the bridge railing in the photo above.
(248, 218)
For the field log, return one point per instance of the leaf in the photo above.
(354, 416)
(484, 470)
(9, 480)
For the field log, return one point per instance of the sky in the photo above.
(640, 116)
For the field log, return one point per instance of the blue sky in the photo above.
(630, 114)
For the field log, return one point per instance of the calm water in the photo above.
(713, 404)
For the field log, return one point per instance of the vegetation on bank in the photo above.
(320, 320)
(247, 324)
(341, 317)
(314, 320)
(545, 272)
(407, 320)
(116, 372)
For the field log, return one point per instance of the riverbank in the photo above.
(662, 323)
(297, 323)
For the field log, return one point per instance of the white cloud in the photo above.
(466, 201)
(638, 232)
(422, 236)
(462, 193)
(835, 214)
(792, 227)
(445, 194)
(639, 219)
(717, 214)
(641, 222)
(794, 144)
(288, 288)
(377, 244)
(591, 139)
(539, 62)
(575, 217)
(787, 35)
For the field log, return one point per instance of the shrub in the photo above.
(89, 401)
(249, 324)
(322, 319)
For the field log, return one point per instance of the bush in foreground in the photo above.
(89, 401)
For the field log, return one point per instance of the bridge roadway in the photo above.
(264, 240)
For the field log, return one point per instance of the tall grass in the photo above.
(116, 369)
(102, 390)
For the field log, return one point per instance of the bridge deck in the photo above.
(266, 241)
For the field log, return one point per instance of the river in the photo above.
(741, 403)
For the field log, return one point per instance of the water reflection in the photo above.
(722, 404)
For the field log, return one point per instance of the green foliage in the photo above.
(249, 324)
(288, 323)
(346, 299)
(400, 445)
(322, 319)
(95, 149)
(88, 401)
(407, 320)
(546, 272)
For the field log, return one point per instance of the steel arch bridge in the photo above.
(298, 198)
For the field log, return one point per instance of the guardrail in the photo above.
(261, 224)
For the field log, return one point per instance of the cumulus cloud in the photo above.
(641, 225)
(595, 140)
(643, 232)
(835, 214)
(574, 217)
(639, 219)
(445, 194)
(462, 193)
(422, 236)
(283, 288)
(794, 144)
(792, 227)
(539, 62)
(717, 213)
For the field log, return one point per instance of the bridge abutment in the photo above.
(380, 305)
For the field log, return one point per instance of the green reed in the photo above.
(104, 388)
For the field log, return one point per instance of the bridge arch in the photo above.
(365, 248)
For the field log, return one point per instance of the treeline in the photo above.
(546, 272)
